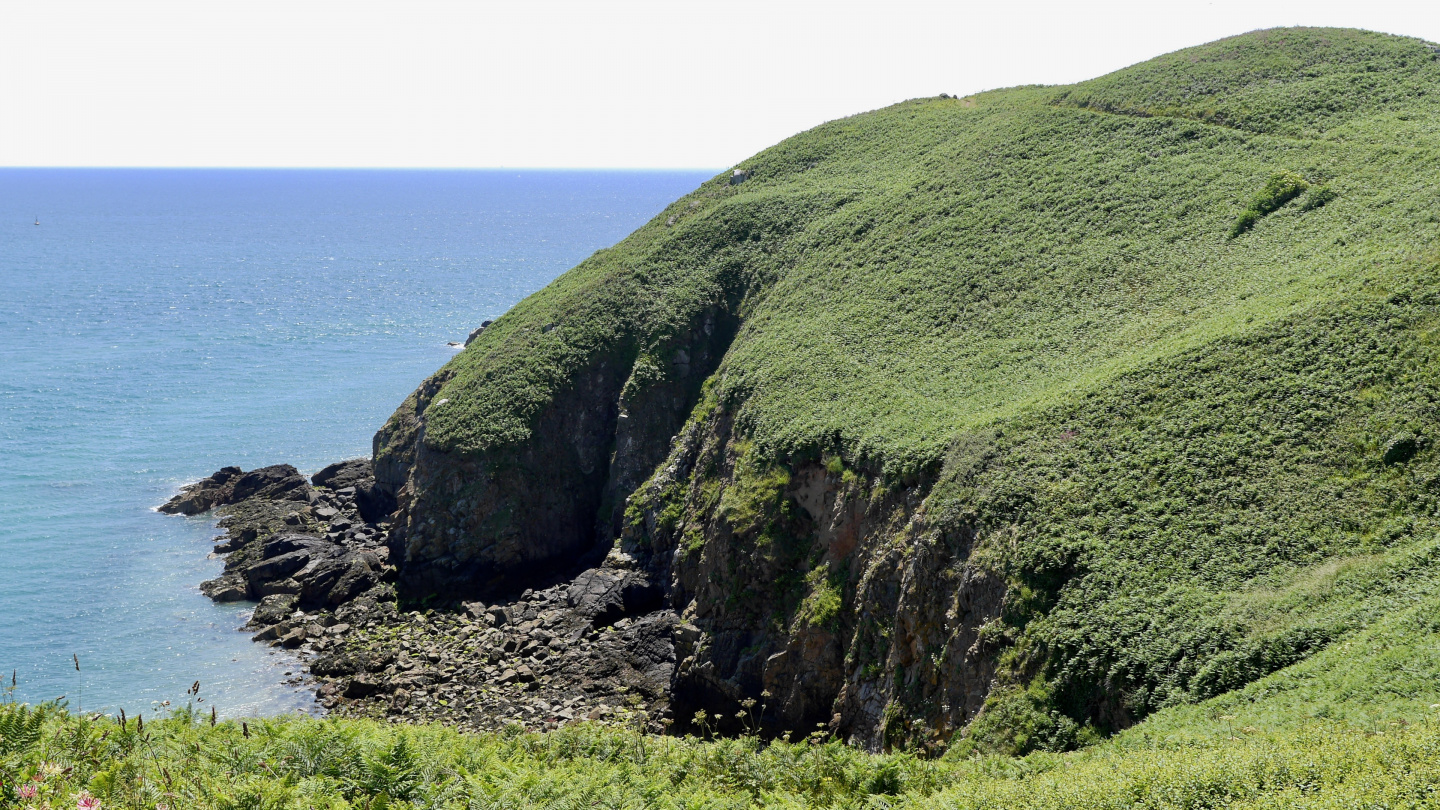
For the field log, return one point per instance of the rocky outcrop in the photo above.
(287, 537)
(798, 594)
(342, 474)
(603, 595)
(316, 570)
(536, 662)
(475, 333)
(203, 495)
(812, 595)
(274, 609)
(598, 648)
(280, 482)
(230, 485)
(484, 525)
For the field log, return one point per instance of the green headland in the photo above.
(1048, 447)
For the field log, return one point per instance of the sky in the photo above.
(548, 83)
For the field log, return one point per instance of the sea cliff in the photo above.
(1005, 420)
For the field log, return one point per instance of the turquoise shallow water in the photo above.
(159, 324)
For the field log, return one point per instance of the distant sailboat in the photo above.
(37, 219)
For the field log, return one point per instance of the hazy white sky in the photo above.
(629, 83)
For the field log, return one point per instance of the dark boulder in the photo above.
(229, 588)
(361, 686)
(274, 609)
(343, 474)
(278, 482)
(604, 596)
(283, 587)
(375, 504)
(351, 662)
(335, 665)
(288, 543)
(650, 645)
(376, 603)
(205, 494)
(321, 572)
(272, 633)
(358, 577)
(597, 595)
(278, 568)
(337, 578)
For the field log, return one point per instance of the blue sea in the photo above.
(159, 324)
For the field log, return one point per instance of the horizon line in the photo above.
(387, 168)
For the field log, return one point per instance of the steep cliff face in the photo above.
(526, 482)
(818, 592)
(488, 524)
(982, 416)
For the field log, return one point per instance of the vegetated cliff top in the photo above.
(917, 271)
(1146, 363)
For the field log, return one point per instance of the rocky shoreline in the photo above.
(316, 555)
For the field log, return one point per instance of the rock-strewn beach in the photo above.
(315, 555)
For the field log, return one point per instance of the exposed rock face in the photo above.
(600, 648)
(604, 596)
(229, 485)
(280, 482)
(229, 588)
(395, 444)
(475, 333)
(343, 474)
(285, 537)
(274, 609)
(829, 601)
(478, 526)
(203, 495)
(849, 606)
(324, 572)
(826, 599)
(482, 525)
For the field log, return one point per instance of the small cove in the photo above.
(158, 324)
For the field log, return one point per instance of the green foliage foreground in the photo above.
(65, 760)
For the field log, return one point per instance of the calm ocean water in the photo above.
(159, 324)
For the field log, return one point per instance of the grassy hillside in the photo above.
(1120, 396)
(949, 262)
(1214, 517)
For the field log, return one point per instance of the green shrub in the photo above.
(823, 603)
(1317, 197)
(1279, 189)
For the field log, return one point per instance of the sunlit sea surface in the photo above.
(159, 324)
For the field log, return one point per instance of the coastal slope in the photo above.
(1022, 415)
